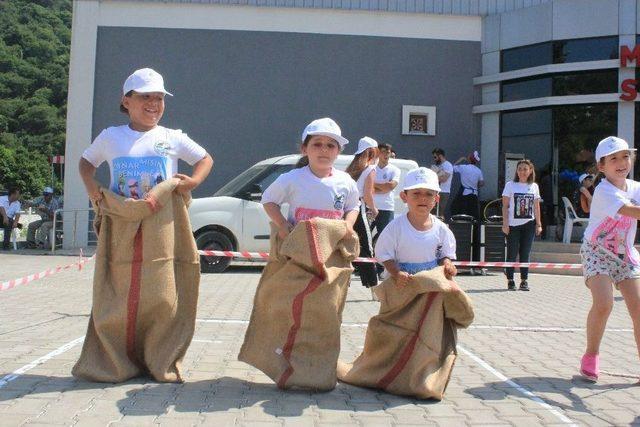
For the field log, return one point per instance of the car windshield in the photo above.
(236, 184)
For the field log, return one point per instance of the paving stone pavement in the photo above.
(517, 364)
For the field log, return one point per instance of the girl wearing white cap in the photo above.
(316, 188)
(608, 254)
(363, 170)
(143, 146)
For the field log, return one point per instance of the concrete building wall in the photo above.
(246, 96)
(445, 7)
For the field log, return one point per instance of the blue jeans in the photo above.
(519, 242)
(382, 220)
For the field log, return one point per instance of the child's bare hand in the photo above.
(94, 192)
(402, 279)
(284, 230)
(186, 183)
(450, 270)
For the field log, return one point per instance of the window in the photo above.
(526, 56)
(579, 83)
(580, 50)
(560, 52)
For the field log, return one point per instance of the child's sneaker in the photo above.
(511, 285)
(590, 367)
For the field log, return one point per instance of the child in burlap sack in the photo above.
(294, 332)
(410, 345)
(140, 155)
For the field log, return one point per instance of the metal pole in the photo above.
(75, 226)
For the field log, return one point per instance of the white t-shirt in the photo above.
(446, 166)
(11, 209)
(469, 177)
(309, 196)
(363, 177)
(414, 250)
(385, 201)
(609, 229)
(521, 197)
(140, 160)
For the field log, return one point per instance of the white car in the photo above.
(234, 220)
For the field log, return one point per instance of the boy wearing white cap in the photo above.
(363, 170)
(417, 241)
(142, 148)
(608, 254)
(315, 188)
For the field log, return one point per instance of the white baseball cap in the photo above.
(326, 127)
(144, 80)
(610, 145)
(421, 178)
(47, 190)
(366, 143)
(584, 176)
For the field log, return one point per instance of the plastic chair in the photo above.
(570, 218)
(13, 238)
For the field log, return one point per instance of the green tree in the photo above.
(35, 38)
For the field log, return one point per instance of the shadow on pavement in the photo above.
(548, 385)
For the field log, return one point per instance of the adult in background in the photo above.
(363, 170)
(471, 180)
(444, 169)
(521, 219)
(9, 214)
(386, 180)
(46, 206)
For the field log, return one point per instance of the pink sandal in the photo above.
(590, 367)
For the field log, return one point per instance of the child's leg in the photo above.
(602, 294)
(513, 242)
(527, 235)
(630, 290)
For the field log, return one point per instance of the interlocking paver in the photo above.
(38, 318)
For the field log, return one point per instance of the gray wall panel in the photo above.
(526, 26)
(574, 19)
(246, 96)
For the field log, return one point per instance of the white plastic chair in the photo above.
(570, 218)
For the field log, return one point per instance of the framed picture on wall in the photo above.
(418, 120)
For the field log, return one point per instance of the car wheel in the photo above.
(213, 241)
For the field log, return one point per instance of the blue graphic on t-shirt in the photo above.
(134, 176)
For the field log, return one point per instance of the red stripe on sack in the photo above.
(298, 300)
(409, 348)
(134, 296)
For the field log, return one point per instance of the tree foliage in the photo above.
(35, 38)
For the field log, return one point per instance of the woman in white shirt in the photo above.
(363, 170)
(521, 219)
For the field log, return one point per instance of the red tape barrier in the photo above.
(532, 265)
(9, 284)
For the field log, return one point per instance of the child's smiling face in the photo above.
(145, 109)
(420, 200)
(616, 166)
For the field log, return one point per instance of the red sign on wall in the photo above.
(629, 86)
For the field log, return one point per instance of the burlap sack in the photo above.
(145, 288)
(410, 346)
(294, 332)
